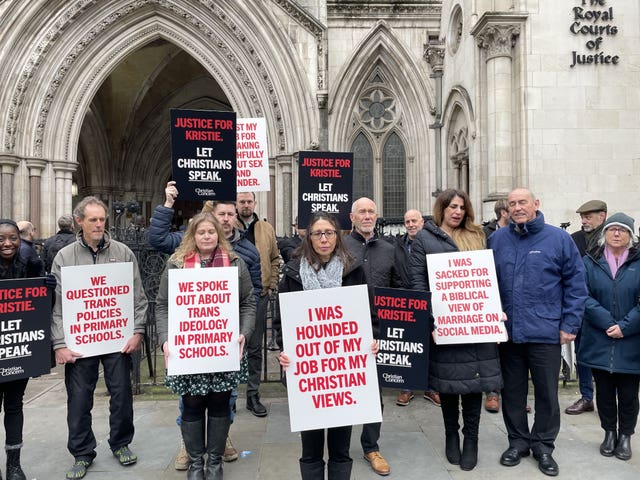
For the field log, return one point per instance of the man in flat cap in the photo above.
(592, 214)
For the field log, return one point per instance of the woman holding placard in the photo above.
(204, 245)
(459, 372)
(324, 263)
(13, 266)
(610, 342)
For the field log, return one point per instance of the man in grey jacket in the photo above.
(94, 246)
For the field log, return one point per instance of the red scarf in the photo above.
(220, 259)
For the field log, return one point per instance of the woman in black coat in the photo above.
(459, 372)
(323, 262)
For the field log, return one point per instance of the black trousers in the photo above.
(80, 379)
(371, 433)
(11, 394)
(254, 347)
(617, 400)
(471, 408)
(213, 404)
(542, 361)
(338, 443)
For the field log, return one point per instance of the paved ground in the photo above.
(412, 441)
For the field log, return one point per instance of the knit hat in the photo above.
(620, 219)
(592, 206)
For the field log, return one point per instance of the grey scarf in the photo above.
(328, 277)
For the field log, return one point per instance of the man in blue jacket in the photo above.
(543, 292)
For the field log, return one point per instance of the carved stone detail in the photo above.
(434, 55)
(77, 8)
(498, 39)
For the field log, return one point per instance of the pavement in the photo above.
(412, 440)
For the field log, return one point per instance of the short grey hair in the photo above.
(65, 222)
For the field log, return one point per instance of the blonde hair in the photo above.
(467, 236)
(188, 244)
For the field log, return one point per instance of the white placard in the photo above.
(465, 299)
(332, 380)
(203, 320)
(252, 155)
(97, 307)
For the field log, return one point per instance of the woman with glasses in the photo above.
(322, 262)
(459, 372)
(610, 343)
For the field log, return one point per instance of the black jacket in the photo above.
(380, 269)
(463, 368)
(291, 282)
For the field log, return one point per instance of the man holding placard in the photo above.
(96, 325)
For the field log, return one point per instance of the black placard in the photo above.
(325, 183)
(403, 356)
(203, 154)
(25, 329)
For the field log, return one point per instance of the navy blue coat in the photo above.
(541, 279)
(612, 301)
(163, 239)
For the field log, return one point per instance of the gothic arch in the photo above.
(459, 131)
(381, 52)
(66, 63)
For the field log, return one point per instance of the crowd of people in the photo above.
(586, 290)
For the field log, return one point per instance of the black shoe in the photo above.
(255, 407)
(511, 456)
(608, 445)
(469, 458)
(547, 464)
(623, 450)
(452, 447)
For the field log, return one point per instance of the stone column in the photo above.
(496, 35)
(434, 55)
(8, 164)
(35, 166)
(63, 172)
(286, 217)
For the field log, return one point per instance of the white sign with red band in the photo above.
(203, 320)
(97, 307)
(332, 380)
(252, 155)
(464, 298)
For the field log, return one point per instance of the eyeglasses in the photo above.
(617, 230)
(329, 234)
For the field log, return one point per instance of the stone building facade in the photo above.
(484, 95)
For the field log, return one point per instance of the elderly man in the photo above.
(542, 287)
(413, 223)
(592, 214)
(261, 234)
(27, 251)
(377, 258)
(94, 247)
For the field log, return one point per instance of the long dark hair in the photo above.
(467, 236)
(306, 247)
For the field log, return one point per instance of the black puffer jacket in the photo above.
(464, 368)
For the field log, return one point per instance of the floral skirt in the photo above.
(203, 383)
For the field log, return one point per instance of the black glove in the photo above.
(50, 282)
